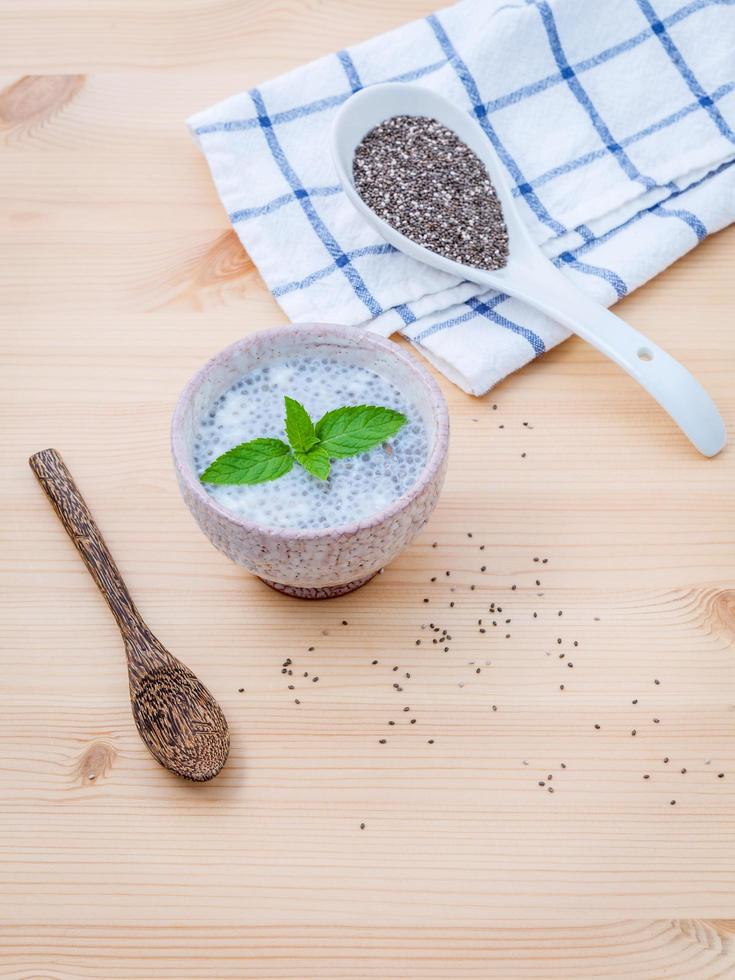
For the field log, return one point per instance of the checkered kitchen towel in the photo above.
(615, 120)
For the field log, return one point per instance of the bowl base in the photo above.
(326, 592)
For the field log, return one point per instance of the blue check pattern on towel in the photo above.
(615, 122)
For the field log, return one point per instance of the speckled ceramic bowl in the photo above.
(313, 564)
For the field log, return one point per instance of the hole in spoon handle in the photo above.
(674, 387)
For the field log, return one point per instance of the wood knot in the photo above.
(35, 98)
(213, 268)
(723, 610)
(96, 761)
(224, 261)
(710, 935)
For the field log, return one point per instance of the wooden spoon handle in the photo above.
(67, 501)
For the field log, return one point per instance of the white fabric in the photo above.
(616, 124)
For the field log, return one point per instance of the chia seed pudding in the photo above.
(419, 177)
(357, 488)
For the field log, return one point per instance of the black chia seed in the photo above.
(420, 177)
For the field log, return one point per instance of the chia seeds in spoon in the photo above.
(419, 177)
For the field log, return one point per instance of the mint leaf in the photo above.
(355, 429)
(316, 461)
(299, 427)
(250, 462)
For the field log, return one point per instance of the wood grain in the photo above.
(118, 277)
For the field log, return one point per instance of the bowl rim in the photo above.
(431, 468)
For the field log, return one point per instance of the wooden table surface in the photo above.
(118, 277)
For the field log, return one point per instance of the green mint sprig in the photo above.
(342, 432)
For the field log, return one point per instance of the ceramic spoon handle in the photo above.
(675, 389)
(72, 511)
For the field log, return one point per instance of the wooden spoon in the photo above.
(177, 718)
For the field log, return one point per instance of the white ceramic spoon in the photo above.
(528, 275)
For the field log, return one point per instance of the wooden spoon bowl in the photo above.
(178, 719)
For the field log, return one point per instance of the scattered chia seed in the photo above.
(419, 177)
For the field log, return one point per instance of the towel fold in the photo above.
(615, 123)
